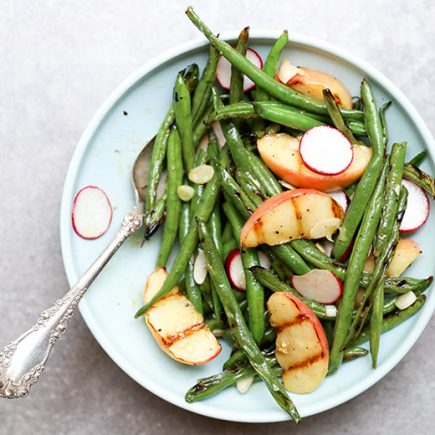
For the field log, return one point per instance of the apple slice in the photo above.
(280, 152)
(91, 213)
(326, 150)
(405, 253)
(320, 285)
(223, 71)
(312, 82)
(293, 214)
(301, 344)
(417, 208)
(177, 327)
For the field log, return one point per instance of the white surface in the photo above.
(58, 63)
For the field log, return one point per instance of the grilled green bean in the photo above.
(368, 181)
(356, 264)
(236, 80)
(239, 327)
(156, 218)
(420, 178)
(201, 97)
(337, 119)
(270, 280)
(173, 209)
(269, 84)
(189, 243)
(183, 119)
(418, 159)
(271, 63)
(376, 321)
(392, 320)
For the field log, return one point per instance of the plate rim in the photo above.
(67, 193)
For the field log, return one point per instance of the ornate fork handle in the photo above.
(23, 360)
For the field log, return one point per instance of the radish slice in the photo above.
(341, 198)
(91, 213)
(320, 285)
(417, 208)
(223, 71)
(325, 150)
(235, 272)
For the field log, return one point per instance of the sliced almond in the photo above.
(185, 192)
(202, 174)
(405, 300)
(200, 268)
(219, 134)
(325, 228)
(243, 385)
(287, 71)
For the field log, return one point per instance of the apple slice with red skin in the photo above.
(405, 253)
(280, 152)
(290, 215)
(177, 327)
(320, 285)
(301, 345)
(312, 82)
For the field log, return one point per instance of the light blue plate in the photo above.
(104, 157)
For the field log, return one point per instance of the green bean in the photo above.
(201, 97)
(239, 327)
(201, 127)
(368, 181)
(156, 218)
(350, 190)
(227, 234)
(192, 288)
(420, 178)
(271, 63)
(382, 111)
(173, 209)
(283, 116)
(357, 128)
(337, 119)
(212, 385)
(236, 80)
(318, 259)
(392, 192)
(392, 320)
(382, 261)
(190, 76)
(235, 359)
(156, 162)
(268, 279)
(356, 264)
(261, 172)
(290, 258)
(189, 243)
(183, 119)
(245, 110)
(228, 247)
(269, 84)
(254, 290)
(354, 353)
(418, 159)
(376, 321)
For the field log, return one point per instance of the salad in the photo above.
(290, 208)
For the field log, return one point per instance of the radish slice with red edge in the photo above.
(91, 213)
(235, 272)
(417, 208)
(325, 150)
(320, 285)
(223, 71)
(341, 198)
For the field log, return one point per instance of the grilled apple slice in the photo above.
(294, 214)
(301, 344)
(177, 327)
(280, 152)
